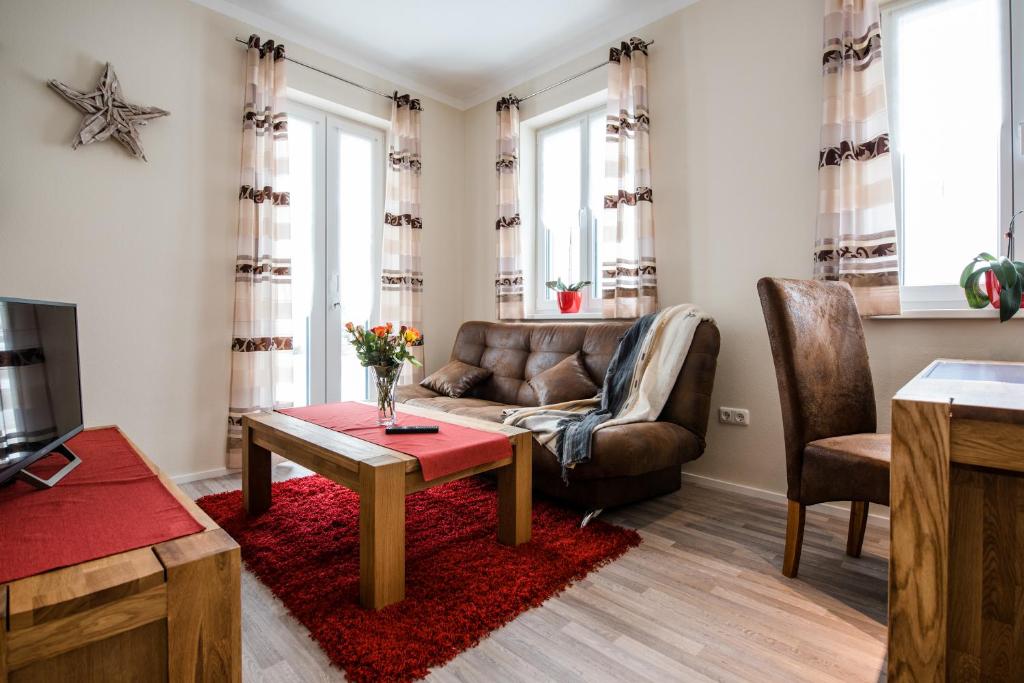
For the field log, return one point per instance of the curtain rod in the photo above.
(574, 76)
(328, 74)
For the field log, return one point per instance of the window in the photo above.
(336, 179)
(949, 91)
(570, 199)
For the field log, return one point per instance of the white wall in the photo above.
(147, 250)
(735, 89)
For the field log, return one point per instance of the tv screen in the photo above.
(40, 389)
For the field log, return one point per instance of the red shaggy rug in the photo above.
(461, 584)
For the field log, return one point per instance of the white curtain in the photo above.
(401, 264)
(855, 240)
(261, 347)
(508, 280)
(629, 275)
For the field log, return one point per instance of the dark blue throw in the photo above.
(575, 431)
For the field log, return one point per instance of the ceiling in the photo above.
(458, 51)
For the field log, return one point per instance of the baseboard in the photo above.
(832, 509)
(197, 476)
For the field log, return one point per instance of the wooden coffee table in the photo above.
(383, 478)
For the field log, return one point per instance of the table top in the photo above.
(980, 390)
(348, 451)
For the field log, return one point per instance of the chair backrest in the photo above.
(821, 364)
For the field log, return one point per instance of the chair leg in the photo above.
(858, 522)
(794, 538)
(590, 516)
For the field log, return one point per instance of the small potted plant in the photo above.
(1002, 275)
(569, 296)
(378, 348)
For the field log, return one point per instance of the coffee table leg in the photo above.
(255, 473)
(515, 494)
(381, 532)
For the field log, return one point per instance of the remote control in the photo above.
(428, 429)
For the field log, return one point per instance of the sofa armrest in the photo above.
(408, 392)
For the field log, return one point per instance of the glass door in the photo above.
(337, 203)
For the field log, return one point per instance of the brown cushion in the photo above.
(851, 467)
(455, 378)
(565, 381)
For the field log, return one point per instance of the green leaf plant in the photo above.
(1009, 274)
(560, 286)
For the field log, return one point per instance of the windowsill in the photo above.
(562, 316)
(945, 314)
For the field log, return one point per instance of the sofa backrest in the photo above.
(517, 352)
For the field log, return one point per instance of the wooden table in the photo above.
(956, 571)
(382, 478)
(167, 612)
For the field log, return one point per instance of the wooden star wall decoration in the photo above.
(107, 114)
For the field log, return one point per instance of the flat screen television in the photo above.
(40, 386)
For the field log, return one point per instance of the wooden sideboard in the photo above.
(168, 612)
(956, 568)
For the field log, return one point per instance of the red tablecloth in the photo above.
(110, 503)
(454, 448)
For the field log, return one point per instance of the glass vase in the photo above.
(386, 379)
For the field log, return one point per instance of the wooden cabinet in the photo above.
(167, 612)
(956, 571)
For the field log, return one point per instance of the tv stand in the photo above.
(62, 450)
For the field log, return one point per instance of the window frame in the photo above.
(589, 239)
(1011, 172)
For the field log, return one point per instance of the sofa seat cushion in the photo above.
(490, 413)
(627, 451)
(851, 467)
(447, 404)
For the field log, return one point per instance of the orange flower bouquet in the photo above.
(385, 351)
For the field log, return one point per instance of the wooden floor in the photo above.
(701, 599)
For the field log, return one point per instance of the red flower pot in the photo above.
(992, 288)
(569, 302)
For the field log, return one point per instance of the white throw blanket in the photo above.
(662, 354)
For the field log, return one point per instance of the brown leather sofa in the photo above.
(629, 462)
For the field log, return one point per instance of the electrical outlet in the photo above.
(734, 416)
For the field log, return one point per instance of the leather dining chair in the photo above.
(828, 405)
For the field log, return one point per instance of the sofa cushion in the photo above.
(447, 404)
(455, 378)
(567, 380)
(490, 413)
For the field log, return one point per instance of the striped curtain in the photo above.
(508, 281)
(629, 275)
(401, 291)
(27, 421)
(261, 348)
(855, 239)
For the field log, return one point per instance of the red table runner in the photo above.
(111, 503)
(453, 449)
